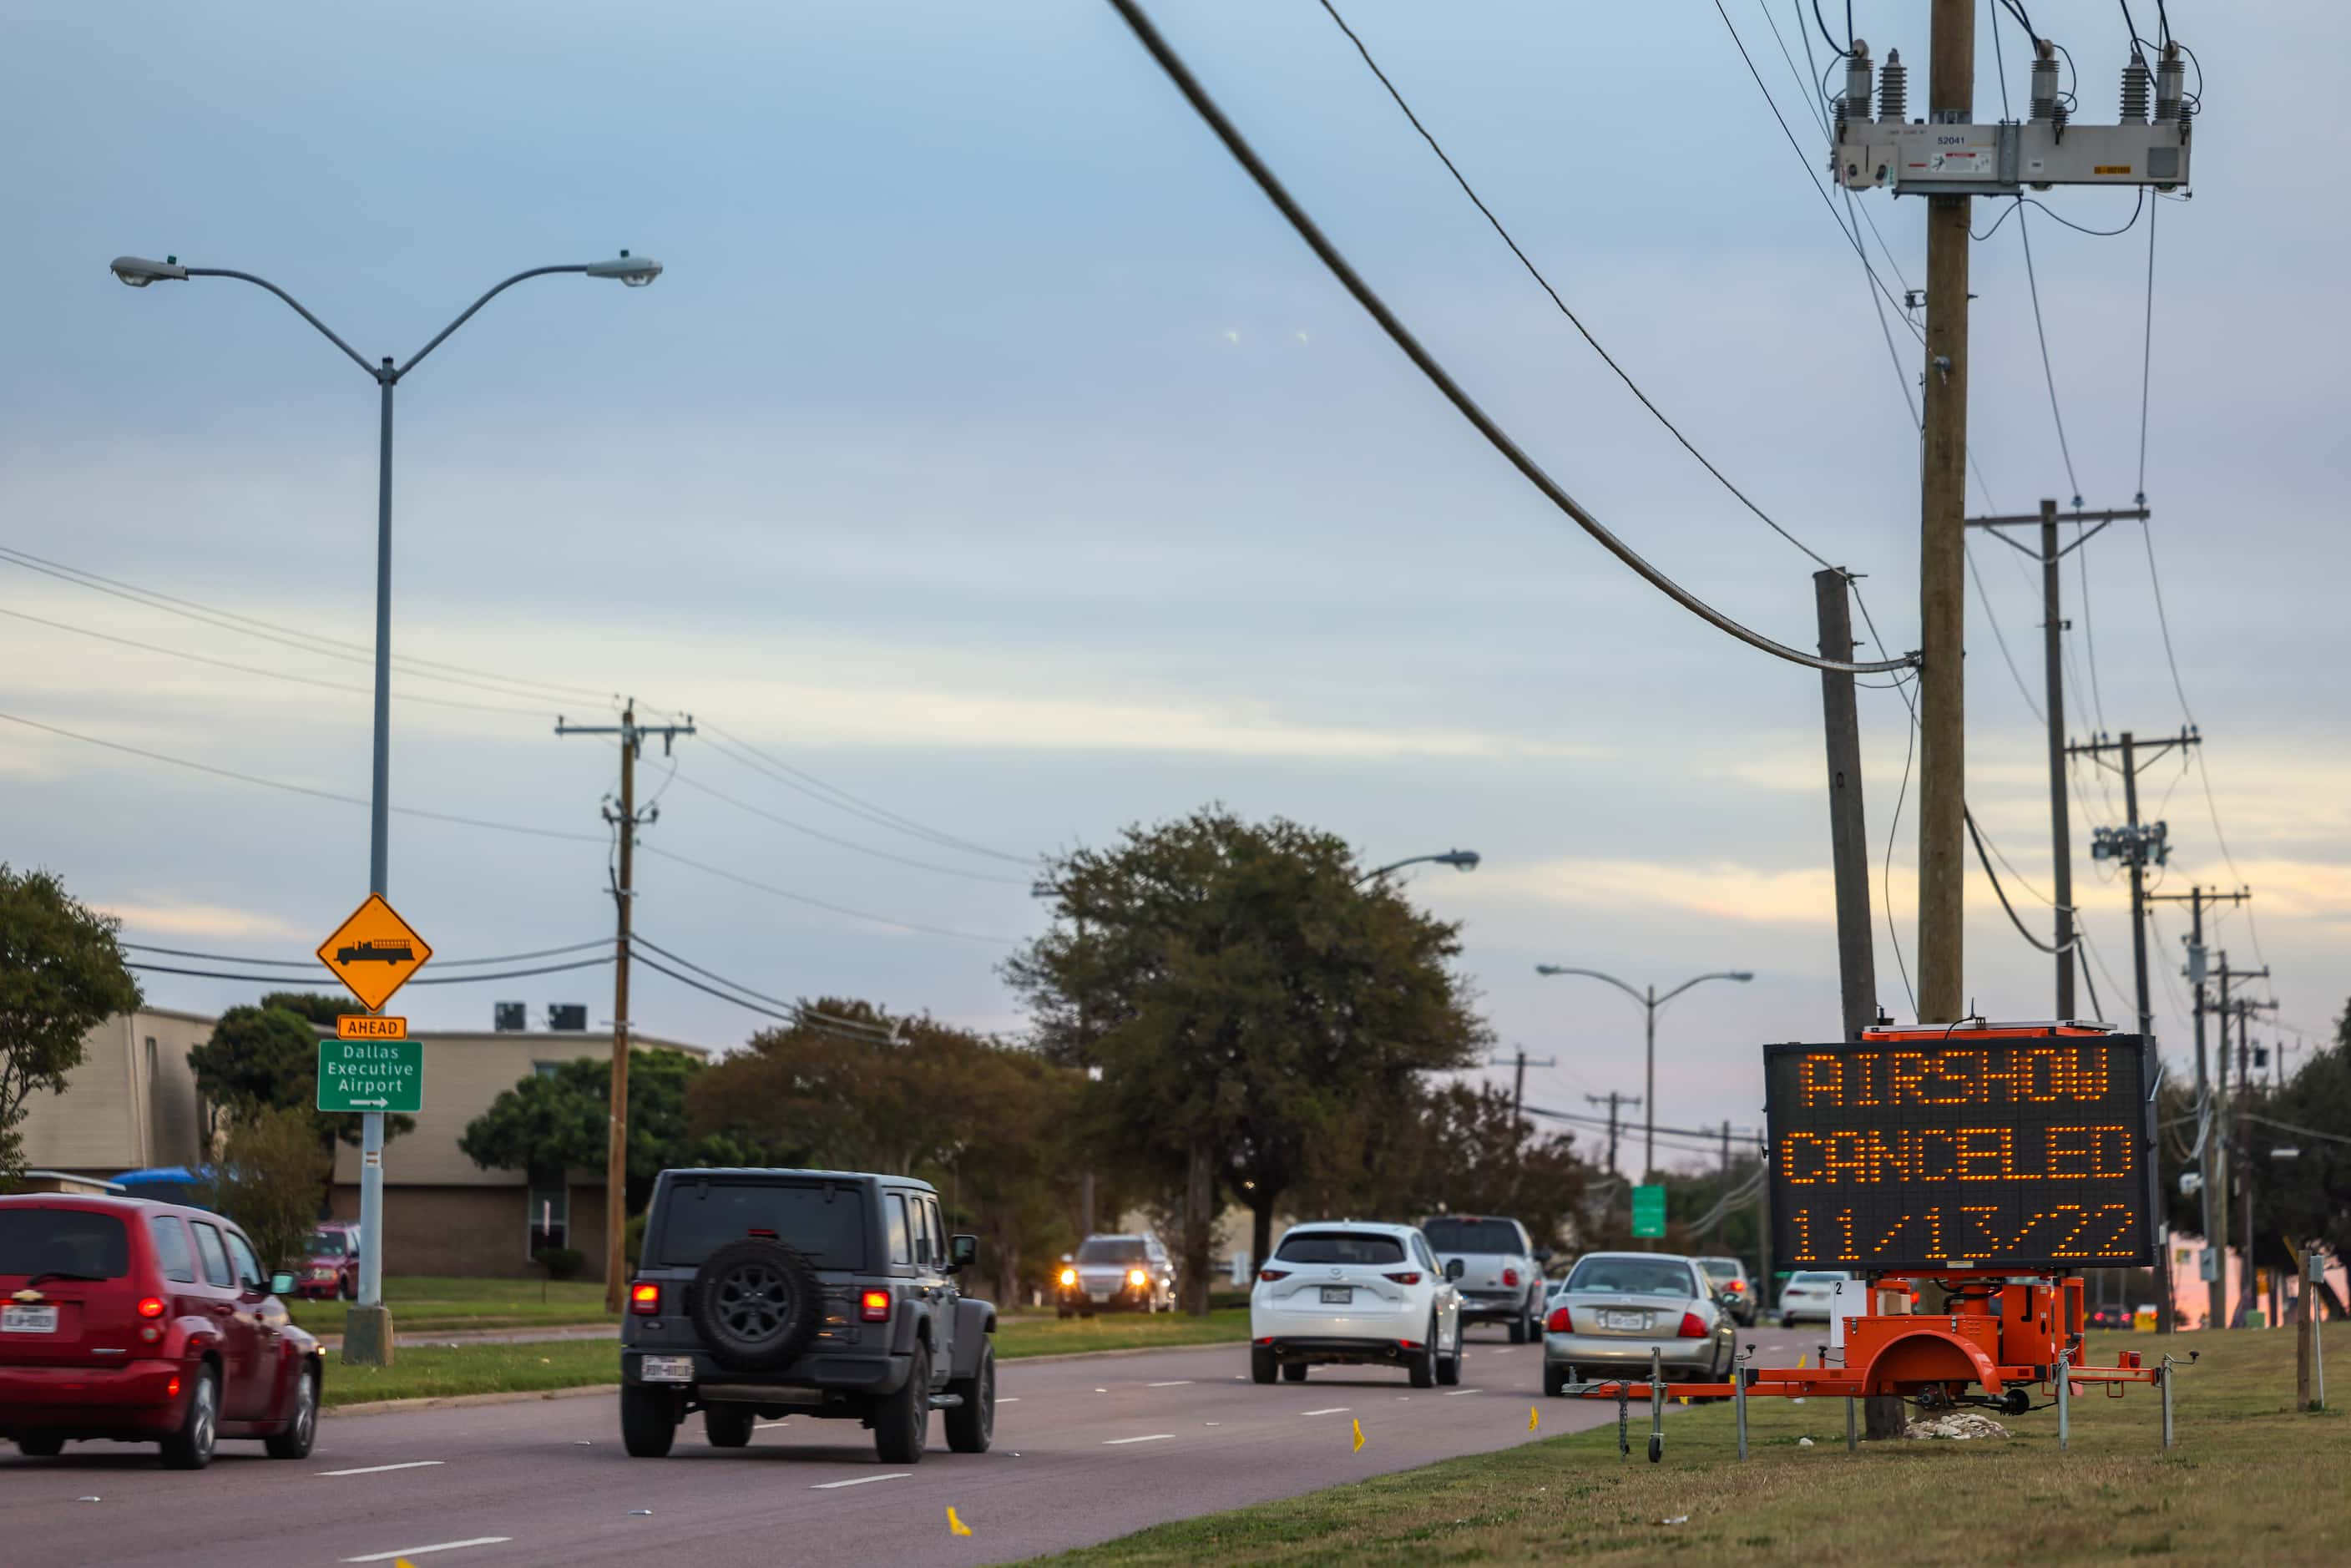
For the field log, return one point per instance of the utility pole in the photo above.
(2198, 900)
(2245, 1007)
(1518, 1081)
(2218, 1240)
(2135, 844)
(1613, 1101)
(1942, 543)
(625, 822)
(2053, 627)
(1848, 831)
(1723, 1192)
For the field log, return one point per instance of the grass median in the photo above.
(434, 1371)
(428, 1303)
(2250, 1480)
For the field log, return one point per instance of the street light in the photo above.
(369, 1337)
(1650, 1001)
(1461, 859)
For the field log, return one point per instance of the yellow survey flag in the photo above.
(956, 1526)
(1359, 1436)
(1534, 1417)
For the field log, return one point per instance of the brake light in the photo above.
(1137, 1278)
(873, 1306)
(172, 1389)
(1270, 1275)
(150, 1306)
(1561, 1321)
(1411, 1279)
(1736, 1287)
(1691, 1328)
(644, 1298)
(1069, 1275)
(1510, 1278)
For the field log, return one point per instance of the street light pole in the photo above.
(1461, 859)
(1650, 1002)
(367, 1339)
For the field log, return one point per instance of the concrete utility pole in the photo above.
(2198, 900)
(1942, 545)
(2054, 625)
(1848, 829)
(625, 822)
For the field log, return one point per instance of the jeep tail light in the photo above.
(1270, 1275)
(150, 1306)
(1561, 1321)
(1410, 1277)
(1510, 1278)
(873, 1306)
(1691, 1328)
(644, 1298)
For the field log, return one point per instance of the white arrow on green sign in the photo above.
(371, 1075)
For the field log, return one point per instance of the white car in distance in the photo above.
(1808, 1294)
(1351, 1293)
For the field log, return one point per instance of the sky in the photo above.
(991, 452)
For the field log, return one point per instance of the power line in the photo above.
(806, 783)
(1574, 321)
(796, 1009)
(1242, 153)
(420, 980)
(819, 903)
(698, 786)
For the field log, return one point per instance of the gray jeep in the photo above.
(789, 1292)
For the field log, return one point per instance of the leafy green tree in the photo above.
(266, 1058)
(2304, 1197)
(1242, 994)
(316, 1006)
(270, 1175)
(62, 975)
(554, 1122)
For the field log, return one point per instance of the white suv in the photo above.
(1356, 1294)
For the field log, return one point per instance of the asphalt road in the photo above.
(1087, 1447)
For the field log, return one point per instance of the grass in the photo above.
(424, 1303)
(2250, 1480)
(420, 1371)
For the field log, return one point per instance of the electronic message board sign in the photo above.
(2025, 1151)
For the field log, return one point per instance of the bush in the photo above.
(560, 1262)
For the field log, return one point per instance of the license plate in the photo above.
(1624, 1320)
(666, 1369)
(1099, 1295)
(28, 1320)
(1338, 1295)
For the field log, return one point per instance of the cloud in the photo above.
(194, 920)
(1726, 890)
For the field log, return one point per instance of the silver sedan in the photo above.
(1616, 1308)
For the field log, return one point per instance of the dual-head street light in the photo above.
(1650, 1002)
(369, 1340)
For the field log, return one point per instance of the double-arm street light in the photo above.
(1461, 859)
(373, 1340)
(1650, 1002)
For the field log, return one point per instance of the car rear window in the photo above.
(1472, 1235)
(1111, 1249)
(825, 1222)
(63, 1241)
(1632, 1277)
(1720, 1268)
(1816, 1278)
(1340, 1247)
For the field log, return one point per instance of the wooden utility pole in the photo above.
(2231, 1148)
(625, 822)
(1848, 831)
(1522, 1061)
(1613, 1101)
(1942, 545)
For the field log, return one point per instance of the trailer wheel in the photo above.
(1656, 1446)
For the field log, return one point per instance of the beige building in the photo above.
(132, 1104)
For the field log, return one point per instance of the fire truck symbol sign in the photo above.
(374, 952)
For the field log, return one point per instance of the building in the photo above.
(132, 1104)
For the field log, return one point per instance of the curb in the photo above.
(459, 1401)
(1133, 1350)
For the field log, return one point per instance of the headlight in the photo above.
(1137, 1278)
(1069, 1275)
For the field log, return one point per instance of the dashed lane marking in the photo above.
(1172, 1382)
(379, 1469)
(1121, 1442)
(1459, 1392)
(437, 1546)
(860, 1482)
(1333, 1410)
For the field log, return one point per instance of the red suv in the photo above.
(146, 1323)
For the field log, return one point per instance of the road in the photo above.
(1087, 1447)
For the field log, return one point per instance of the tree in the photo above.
(1242, 994)
(550, 1123)
(2306, 1197)
(61, 976)
(266, 1058)
(316, 1006)
(268, 1180)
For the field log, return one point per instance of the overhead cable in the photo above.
(1403, 338)
(697, 785)
(787, 894)
(638, 939)
(816, 788)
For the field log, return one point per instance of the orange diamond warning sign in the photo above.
(375, 952)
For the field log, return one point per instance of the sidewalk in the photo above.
(489, 1336)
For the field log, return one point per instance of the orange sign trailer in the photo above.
(2006, 1329)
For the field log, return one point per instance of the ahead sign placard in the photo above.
(371, 1075)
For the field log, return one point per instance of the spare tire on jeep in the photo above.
(756, 1304)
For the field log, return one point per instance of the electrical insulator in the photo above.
(1893, 89)
(2135, 89)
(1856, 105)
(2167, 85)
(2045, 80)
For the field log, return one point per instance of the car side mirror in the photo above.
(1455, 1268)
(963, 1252)
(281, 1284)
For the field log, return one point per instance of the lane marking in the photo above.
(764, 1425)
(1011, 1399)
(437, 1546)
(860, 1482)
(379, 1469)
(1121, 1442)
(1173, 1383)
(1334, 1410)
(1459, 1392)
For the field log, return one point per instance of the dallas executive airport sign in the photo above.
(2029, 1153)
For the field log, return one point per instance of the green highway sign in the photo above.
(371, 1075)
(1649, 1210)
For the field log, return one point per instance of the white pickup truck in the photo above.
(1501, 1278)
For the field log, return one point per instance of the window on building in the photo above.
(549, 1217)
(547, 1068)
